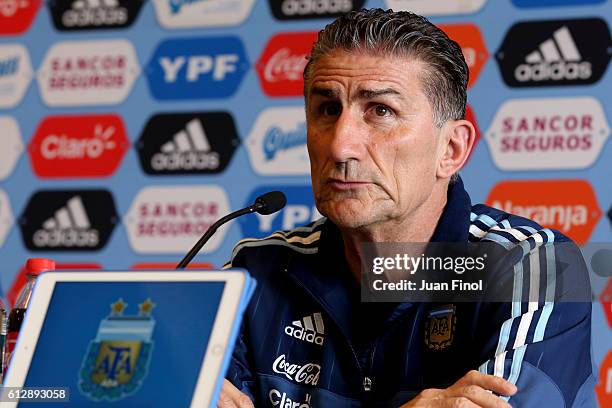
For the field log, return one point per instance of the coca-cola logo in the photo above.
(78, 146)
(282, 63)
(307, 374)
(16, 16)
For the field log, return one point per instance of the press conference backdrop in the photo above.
(127, 127)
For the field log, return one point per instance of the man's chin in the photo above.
(348, 217)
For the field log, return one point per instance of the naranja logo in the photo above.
(569, 206)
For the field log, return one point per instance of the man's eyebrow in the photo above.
(373, 93)
(325, 92)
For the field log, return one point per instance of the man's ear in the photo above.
(458, 137)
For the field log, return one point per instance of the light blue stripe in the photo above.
(483, 367)
(437, 312)
(486, 219)
(517, 290)
(517, 362)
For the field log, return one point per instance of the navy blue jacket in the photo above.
(307, 341)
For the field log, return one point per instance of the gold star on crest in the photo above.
(146, 307)
(118, 307)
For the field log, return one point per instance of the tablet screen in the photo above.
(125, 343)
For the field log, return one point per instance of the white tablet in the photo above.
(127, 338)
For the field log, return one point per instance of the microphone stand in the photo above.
(209, 233)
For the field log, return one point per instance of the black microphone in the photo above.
(265, 204)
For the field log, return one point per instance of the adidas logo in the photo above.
(95, 13)
(69, 227)
(555, 59)
(305, 330)
(188, 150)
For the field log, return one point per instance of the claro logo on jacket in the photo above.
(78, 146)
(554, 53)
(68, 220)
(194, 68)
(569, 206)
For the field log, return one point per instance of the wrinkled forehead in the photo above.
(341, 70)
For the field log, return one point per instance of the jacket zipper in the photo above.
(367, 382)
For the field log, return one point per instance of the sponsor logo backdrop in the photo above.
(127, 127)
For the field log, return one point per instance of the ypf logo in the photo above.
(202, 13)
(300, 210)
(12, 145)
(281, 65)
(70, 15)
(17, 15)
(192, 68)
(15, 74)
(472, 45)
(171, 219)
(6, 216)
(569, 206)
(438, 7)
(78, 146)
(68, 220)
(555, 53)
(277, 143)
(76, 73)
(604, 388)
(188, 143)
(303, 9)
(548, 133)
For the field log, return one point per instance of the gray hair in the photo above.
(408, 35)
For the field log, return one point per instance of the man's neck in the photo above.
(419, 227)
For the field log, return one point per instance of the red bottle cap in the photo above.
(35, 266)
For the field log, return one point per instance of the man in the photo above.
(385, 100)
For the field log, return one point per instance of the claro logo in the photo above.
(569, 206)
(78, 146)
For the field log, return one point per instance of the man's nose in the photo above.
(347, 139)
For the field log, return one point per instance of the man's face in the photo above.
(373, 145)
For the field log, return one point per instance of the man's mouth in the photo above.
(347, 184)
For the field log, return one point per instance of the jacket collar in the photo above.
(326, 275)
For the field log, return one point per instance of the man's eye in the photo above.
(382, 110)
(330, 108)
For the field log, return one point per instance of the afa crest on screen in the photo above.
(117, 360)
